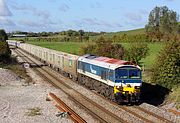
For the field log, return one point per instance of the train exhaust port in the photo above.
(67, 111)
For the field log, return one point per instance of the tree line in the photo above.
(63, 36)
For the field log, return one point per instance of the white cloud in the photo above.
(96, 5)
(45, 23)
(94, 23)
(4, 10)
(134, 16)
(31, 9)
(169, 0)
(64, 7)
(6, 22)
(30, 23)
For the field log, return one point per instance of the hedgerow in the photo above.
(166, 70)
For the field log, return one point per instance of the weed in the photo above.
(34, 111)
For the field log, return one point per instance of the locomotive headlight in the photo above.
(136, 87)
(128, 85)
(119, 87)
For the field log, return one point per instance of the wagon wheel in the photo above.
(107, 93)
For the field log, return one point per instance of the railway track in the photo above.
(97, 111)
(45, 72)
(139, 112)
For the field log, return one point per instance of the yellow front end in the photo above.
(126, 89)
(127, 94)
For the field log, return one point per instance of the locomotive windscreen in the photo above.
(128, 72)
(134, 73)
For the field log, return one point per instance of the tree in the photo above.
(118, 51)
(103, 47)
(5, 52)
(81, 33)
(136, 52)
(3, 35)
(70, 33)
(166, 70)
(88, 49)
(162, 21)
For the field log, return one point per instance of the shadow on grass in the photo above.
(153, 94)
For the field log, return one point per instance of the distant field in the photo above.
(129, 32)
(69, 47)
(73, 47)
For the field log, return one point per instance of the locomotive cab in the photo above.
(128, 80)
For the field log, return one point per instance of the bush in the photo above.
(103, 47)
(131, 38)
(3, 35)
(137, 51)
(166, 70)
(88, 49)
(5, 52)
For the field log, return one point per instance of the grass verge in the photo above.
(174, 97)
(33, 111)
(18, 69)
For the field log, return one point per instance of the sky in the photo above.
(88, 15)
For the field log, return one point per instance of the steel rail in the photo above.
(84, 98)
(137, 115)
(73, 115)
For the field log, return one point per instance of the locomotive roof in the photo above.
(106, 62)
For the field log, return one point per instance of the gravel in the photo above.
(120, 112)
(7, 76)
(161, 112)
(115, 109)
(16, 100)
(106, 104)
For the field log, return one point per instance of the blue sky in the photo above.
(89, 15)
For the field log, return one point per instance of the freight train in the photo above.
(117, 80)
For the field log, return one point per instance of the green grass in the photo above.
(131, 32)
(175, 97)
(154, 49)
(69, 47)
(111, 34)
(73, 47)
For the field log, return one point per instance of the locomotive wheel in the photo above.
(119, 98)
(107, 93)
(111, 96)
(102, 90)
(96, 86)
